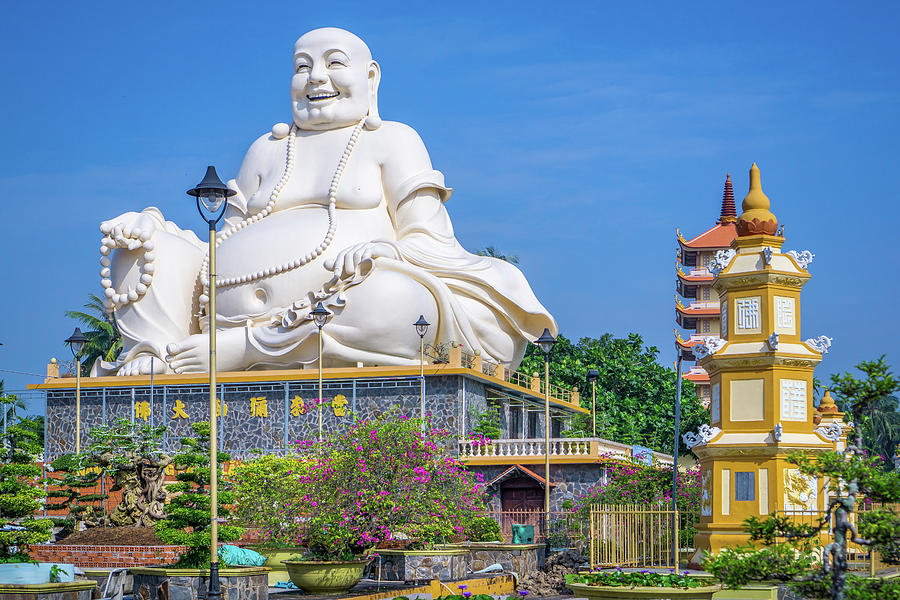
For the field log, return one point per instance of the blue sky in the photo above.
(576, 135)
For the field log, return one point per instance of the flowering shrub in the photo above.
(382, 479)
(266, 489)
(619, 578)
(633, 483)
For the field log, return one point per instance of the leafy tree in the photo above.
(188, 518)
(853, 476)
(78, 477)
(635, 394)
(265, 489)
(21, 492)
(104, 340)
(493, 252)
(132, 455)
(879, 417)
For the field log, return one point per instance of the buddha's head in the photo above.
(335, 82)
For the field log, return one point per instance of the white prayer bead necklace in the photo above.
(270, 208)
(135, 240)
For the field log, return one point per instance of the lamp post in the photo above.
(422, 328)
(76, 343)
(320, 315)
(210, 195)
(675, 540)
(546, 342)
(592, 376)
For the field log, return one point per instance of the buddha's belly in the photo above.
(280, 238)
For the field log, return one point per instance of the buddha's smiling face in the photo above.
(334, 76)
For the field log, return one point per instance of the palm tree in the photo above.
(104, 340)
(881, 432)
(493, 252)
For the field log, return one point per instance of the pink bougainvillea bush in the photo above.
(382, 479)
(633, 483)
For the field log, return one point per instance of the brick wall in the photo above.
(106, 556)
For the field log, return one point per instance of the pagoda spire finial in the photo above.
(729, 213)
(757, 218)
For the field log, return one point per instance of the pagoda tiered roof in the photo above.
(698, 309)
(697, 375)
(722, 233)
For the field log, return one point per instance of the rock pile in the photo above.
(550, 580)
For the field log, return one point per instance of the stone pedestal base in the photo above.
(250, 583)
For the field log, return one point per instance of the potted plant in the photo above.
(265, 489)
(619, 584)
(21, 496)
(387, 478)
(187, 522)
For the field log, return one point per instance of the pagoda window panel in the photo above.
(793, 399)
(690, 259)
(716, 404)
(785, 315)
(748, 317)
(705, 325)
(724, 319)
(744, 486)
(747, 400)
(706, 293)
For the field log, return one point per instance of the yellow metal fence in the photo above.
(623, 535)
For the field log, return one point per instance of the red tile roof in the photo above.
(718, 236)
(697, 377)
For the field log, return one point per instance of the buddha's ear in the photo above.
(373, 121)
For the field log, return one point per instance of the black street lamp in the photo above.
(422, 328)
(320, 316)
(76, 343)
(210, 195)
(546, 342)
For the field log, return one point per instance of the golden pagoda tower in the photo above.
(761, 380)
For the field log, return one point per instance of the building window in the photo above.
(533, 421)
(744, 486)
(515, 423)
(706, 293)
(705, 325)
(555, 428)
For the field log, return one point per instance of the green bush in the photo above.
(21, 489)
(266, 489)
(188, 515)
(483, 529)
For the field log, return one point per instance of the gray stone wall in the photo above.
(404, 566)
(257, 416)
(521, 560)
(182, 587)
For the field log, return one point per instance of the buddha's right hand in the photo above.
(130, 229)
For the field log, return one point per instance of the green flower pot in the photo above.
(609, 592)
(274, 558)
(325, 577)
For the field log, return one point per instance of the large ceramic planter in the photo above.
(193, 584)
(274, 558)
(325, 577)
(609, 592)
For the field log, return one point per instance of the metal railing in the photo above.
(567, 530)
(633, 536)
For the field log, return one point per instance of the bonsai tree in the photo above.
(382, 479)
(21, 490)
(132, 455)
(188, 518)
(265, 489)
(75, 492)
(853, 477)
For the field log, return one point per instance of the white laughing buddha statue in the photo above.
(339, 207)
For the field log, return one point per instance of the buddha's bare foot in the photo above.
(142, 365)
(191, 355)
